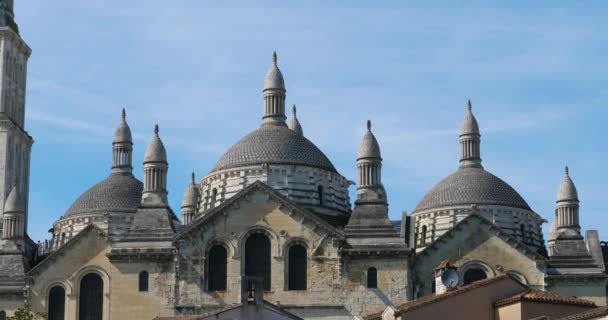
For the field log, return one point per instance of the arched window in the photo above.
(213, 197)
(297, 268)
(320, 192)
(474, 274)
(90, 305)
(257, 258)
(423, 236)
(372, 278)
(2, 315)
(518, 276)
(218, 265)
(143, 281)
(434, 286)
(56, 303)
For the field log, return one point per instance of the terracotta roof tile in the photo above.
(589, 314)
(543, 296)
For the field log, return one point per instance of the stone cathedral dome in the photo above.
(281, 156)
(273, 145)
(473, 189)
(471, 186)
(116, 193)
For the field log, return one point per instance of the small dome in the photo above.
(567, 189)
(273, 145)
(156, 150)
(117, 193)
(294, 124)
(191, 195)
(123, 132)
(13, 203)
(469, 124)
(468, 186)
(369, 147)
(274, 77)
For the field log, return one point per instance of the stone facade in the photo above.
(120, 252)
(299, 183)
(524, 225)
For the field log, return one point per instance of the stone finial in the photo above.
(274, 58)
(14, 203)
(567, 189)
(193, 178)
(469, 107)
(124, 114)
(369, 147)
(293, 110)
(156, 149)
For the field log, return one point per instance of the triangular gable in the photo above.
(91, 228)
(491, 227)
(244, 195)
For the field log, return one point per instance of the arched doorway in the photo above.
(257, 258)
(474, 274)
(90, 303)
(56, 303)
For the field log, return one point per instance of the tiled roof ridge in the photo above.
(543, 296)
(600, 311)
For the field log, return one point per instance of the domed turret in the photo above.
(567, 209)
(190, 202)
(294, 124)
(122, 147)
(155, 172)
(13, 220)
(470, 140)
(369, 166)
(274, 96)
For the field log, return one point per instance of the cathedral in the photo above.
(273, 213)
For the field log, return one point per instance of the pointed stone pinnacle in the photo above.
(293, 110)
(369, 125)
(156, 129)
(469, 104)
(124, 114)
(193, 178)
(566, 170)
(274, 58)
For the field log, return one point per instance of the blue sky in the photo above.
(536, 73)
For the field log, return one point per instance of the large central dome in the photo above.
(273, 145)
(471, 186)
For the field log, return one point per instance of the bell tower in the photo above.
(15, 142)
